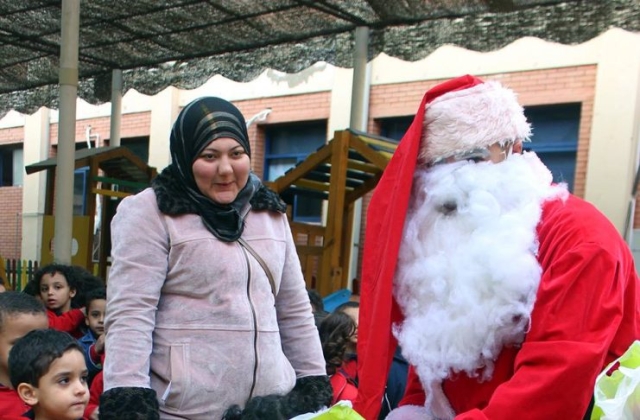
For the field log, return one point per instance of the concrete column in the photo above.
(360, 90)
(63, 207)
(116, 107)
(164, 110)
(36, 149)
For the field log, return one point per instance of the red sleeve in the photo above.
(342, 389)
(67, 322)
(97, 386)
(579, 310)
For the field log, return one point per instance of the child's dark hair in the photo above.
(17, 303)
(347, 305)
(32, 355)
(316, 300)
(335, 331)
(95, 294)
(66, 270)
(32, 288)
(87, 282)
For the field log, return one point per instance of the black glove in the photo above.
(129, 404)
(310, 394)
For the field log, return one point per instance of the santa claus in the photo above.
(507, 294)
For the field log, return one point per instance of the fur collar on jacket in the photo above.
(172, 199)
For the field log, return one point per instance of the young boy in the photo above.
(57, 285)
(19, 314)
(93, 341)
(47, 369)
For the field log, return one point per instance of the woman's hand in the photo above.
(100, 344)
(311, 394)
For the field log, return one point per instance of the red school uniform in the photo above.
(69, 322)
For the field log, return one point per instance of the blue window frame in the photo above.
(80, 178)
(11, 165)
(394, 128)
(139, 146)
(286, 146)
(555, 138)
(6, 167)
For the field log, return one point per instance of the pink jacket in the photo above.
(195, 319)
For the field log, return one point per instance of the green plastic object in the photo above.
(341, 411)
(617, 396)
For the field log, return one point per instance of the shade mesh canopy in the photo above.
(183, 43)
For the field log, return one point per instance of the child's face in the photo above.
(13, 328)
(354, 313)
(55, 292)
(62, 393)
(95, 316)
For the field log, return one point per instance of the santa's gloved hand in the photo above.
(310, 394)
(409, 412)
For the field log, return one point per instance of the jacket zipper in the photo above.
(255, 325)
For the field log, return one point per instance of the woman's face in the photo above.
(222, 170)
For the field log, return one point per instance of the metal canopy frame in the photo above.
(182, 43)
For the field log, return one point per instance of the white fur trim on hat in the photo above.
(476, 117)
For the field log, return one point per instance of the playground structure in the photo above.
(112, 173)
(340, 172)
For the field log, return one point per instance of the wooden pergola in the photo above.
(114, 172)
(342, 171)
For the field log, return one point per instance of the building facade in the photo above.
(583, 102)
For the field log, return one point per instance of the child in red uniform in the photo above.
(336, 332)
(57, 285)
(19, 314)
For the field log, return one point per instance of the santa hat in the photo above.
(458, 115)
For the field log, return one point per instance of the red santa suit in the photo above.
(582, 314)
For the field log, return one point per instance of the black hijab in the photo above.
(198, 124)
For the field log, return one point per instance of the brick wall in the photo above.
(132, 125)
(284, 109)
(11, 135)
(11, 222)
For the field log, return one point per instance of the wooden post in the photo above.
(92, 186)
(330, 274)
(345, 254)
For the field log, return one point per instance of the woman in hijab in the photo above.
(208, 316)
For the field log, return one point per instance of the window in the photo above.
(394, 128)
(11, 166)
(555, 138)
(80, 191)
(286, 146)
(139, 146)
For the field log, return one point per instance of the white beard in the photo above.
(467, 271)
